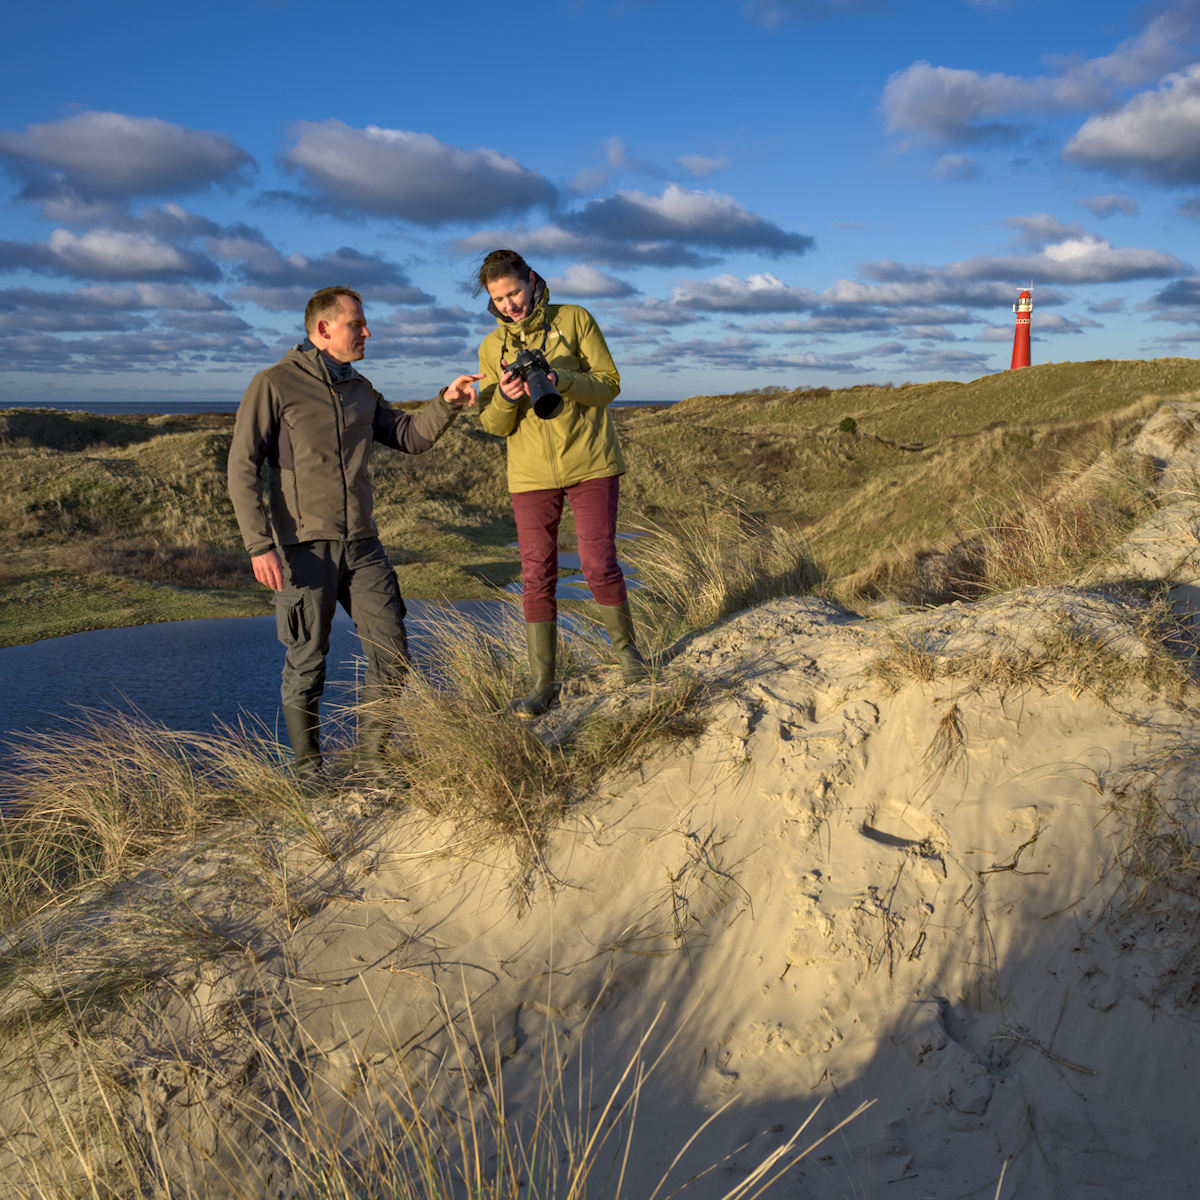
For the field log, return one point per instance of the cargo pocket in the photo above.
(291, 620)
(399, 598)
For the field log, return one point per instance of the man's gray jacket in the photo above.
(315, 435)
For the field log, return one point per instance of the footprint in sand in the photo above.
(897, 824)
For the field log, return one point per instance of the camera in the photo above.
(532, 367)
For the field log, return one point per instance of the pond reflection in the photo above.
(182, 674)
(197, 675)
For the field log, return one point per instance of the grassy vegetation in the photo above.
(750, 496)
(120, 520)
(1135, 651)
(97, 938)
(301, 1131)
(91, 804)
(713, 564)
(928, 466)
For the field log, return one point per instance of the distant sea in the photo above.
(122, 408)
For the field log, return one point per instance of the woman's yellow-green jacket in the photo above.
(581, 442)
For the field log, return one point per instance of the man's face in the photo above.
(345, 332)
(512, 297)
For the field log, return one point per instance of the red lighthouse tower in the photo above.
(1024, 310)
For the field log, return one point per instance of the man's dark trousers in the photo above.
(317, 577)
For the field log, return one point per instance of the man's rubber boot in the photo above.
(541, 639)
(374, 733)
(304, 732)
(619, 622)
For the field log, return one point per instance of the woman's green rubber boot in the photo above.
(619, 622)
(541, 639)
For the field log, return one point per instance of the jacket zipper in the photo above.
(337, 424)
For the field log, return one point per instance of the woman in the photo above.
(573, 453)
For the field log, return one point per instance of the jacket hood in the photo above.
(541, 297)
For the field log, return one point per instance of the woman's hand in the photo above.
(462, 391)
(514, 389)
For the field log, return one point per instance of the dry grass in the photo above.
(94, 802)
(706, 567)
(466, 756)
(1161, 853)
(403, 1125)
(1059, 538)
(1156, 820)
(82, 805)
(1117, 645)
(176, 566)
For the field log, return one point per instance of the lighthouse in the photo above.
(1024, 310)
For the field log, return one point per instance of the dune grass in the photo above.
(90, 804)
(1123, 642)
(87, 815)
(711, 565)
(95, 947)
(464, 755)
(411, 1127)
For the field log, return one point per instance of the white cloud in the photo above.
(589, 179)
(828, 322)
(105, 254)
(955, 362)
(952, 105)
(1155, 136)
(1106, 206)
(1182, 293)
(173, 350)
(691, 217)
(1167, 42)
(680, 227)
(996, 333)
(153, 295)
(758, 293)
(929, 333)
(1057, 323)
(1057, 253)
(956, 168)
(774, 13)
(701, 165)
(584, 282)
(398, 173)
(617, 160)
(924, 286)
(1086, 259)
(656, 313)
(957, 106)
(275, 279)
(83, 161)
(108, 252)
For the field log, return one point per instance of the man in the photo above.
(312, 418)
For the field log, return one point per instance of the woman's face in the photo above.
(512, 297)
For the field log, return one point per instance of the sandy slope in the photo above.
(852, 886)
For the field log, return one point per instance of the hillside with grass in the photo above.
(836, 904)
(123, 520)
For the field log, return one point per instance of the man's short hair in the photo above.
(324, 303)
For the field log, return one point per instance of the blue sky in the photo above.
(746, 193)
